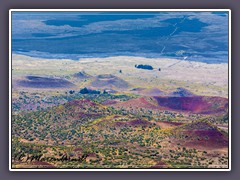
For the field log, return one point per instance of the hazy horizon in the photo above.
(194, 36)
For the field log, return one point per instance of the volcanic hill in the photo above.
(82, 75)
(44, 82)
(109, 81)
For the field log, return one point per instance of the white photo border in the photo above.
(120, 10)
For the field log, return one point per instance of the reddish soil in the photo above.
(77, 149)
(165, 124)
(152, 92)
(138, 103)
(42, 164)
(160, 165)
(109, 102)
(136, 122)
(195, 104)
(82, 102)
(77, 109)
(92, 155)
(201, 135)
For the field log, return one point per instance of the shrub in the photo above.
(84, 91)
(141, 66)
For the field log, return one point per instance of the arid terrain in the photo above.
(107, 113)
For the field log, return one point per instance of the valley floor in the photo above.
(106, 113)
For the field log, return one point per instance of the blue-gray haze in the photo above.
(194, 36)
